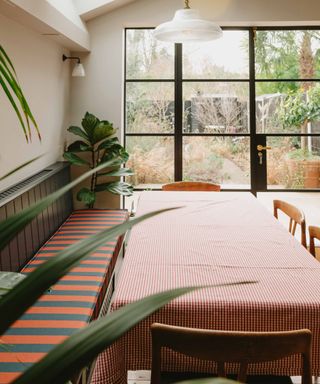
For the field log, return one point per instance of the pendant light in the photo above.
(187, 27)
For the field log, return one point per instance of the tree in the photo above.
(276, 58)
(289, 55)
(299, 109)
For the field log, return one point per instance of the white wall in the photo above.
(45, 80)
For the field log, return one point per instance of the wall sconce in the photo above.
(78, 70)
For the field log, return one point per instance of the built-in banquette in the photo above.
(80, 296)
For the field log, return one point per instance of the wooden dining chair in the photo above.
(296, 217)
(191, 186)
(314, 233)
(230, 347)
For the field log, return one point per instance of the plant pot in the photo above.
(304, 173)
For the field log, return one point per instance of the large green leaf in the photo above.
(83, 346)
(86, 196)
(79, 132)
(18, 300)
(116, 187)
(19, 167)
(8, 78)
(13, 103)
(75, 159)
(106, 144)
(11, 226)
(118, 172)
(79, 146)
(4, 58)
(103, 130)
(116, 150)
(89, 123)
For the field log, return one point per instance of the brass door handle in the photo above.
(262, 148)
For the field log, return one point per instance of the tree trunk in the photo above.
(306, 61)
(304, 139)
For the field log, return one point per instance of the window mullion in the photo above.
(178, 120)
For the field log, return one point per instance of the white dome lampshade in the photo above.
(78, 70)
(187, 27)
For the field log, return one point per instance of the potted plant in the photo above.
(98, 145)
(303, 169)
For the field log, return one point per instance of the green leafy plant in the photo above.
(300, 108)
(302, 154)
(11, 87)
(98, 146)
(19, 167)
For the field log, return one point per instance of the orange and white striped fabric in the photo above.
(214, 238)
(71, 303)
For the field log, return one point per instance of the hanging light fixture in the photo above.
(78, 69)
(187, 27)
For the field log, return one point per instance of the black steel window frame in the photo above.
(258, 177)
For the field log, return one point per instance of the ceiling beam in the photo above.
(47, 20)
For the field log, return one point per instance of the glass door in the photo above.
(242, 111)
(216, 108)
(287, 103)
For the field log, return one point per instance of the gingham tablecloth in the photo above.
(215, 238)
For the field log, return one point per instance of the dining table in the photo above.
(217, 240)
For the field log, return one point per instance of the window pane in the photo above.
(288, 107)
(293, 162)
(216, 107)
(225, 58)
(151, 158)
(148, 58)
(223, 160)
(287, 54)
(150, 107)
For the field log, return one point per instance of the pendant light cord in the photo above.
(186, 4)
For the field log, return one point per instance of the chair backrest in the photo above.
(191, 186)
(232, 347)
(314, 233)
(296, 217)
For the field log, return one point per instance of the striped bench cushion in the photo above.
(72, 302)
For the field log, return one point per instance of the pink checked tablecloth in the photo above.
(215, 238)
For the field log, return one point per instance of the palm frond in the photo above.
(10, 84)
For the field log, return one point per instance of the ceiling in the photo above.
(89, 9)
